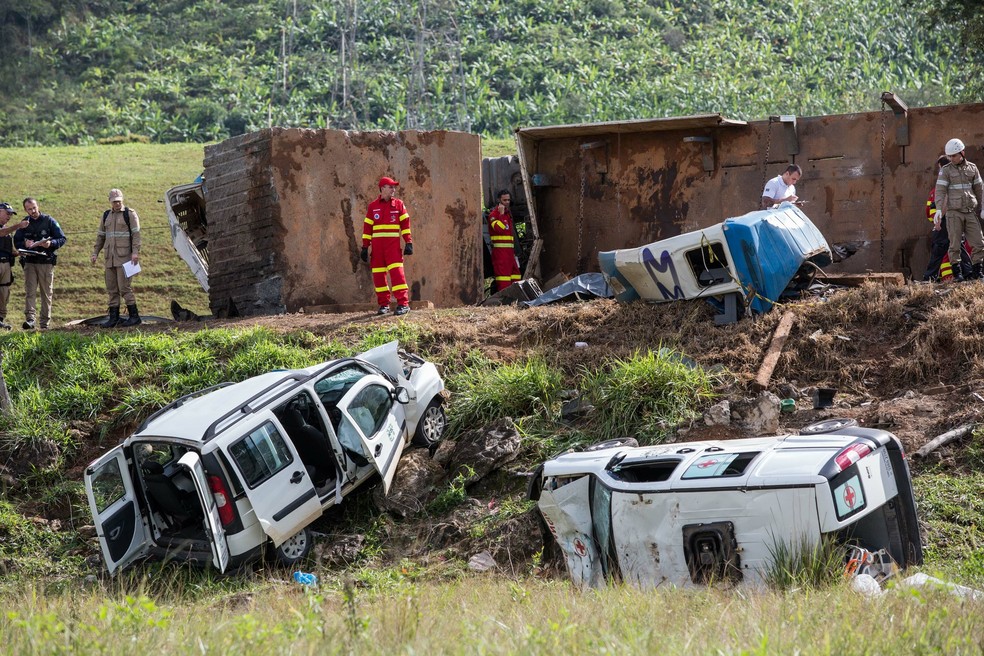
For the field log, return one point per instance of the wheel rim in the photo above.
(294, 546)
(434, 421)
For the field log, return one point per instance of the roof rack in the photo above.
(177, 403)
(299, 379)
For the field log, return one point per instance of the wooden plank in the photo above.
(895, 279)
(771, 358)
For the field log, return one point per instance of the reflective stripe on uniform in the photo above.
(395, 265)
(502, 245)
(382, 289)
(379, 269)
(501, 238)
(397, 288)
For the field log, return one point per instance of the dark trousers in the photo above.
(938, 248)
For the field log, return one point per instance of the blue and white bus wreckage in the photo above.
(749, 261)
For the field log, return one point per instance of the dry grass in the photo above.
(479, 615)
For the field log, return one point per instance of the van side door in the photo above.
(276, 482)
(192, 463)
(116, 511)
(374, 423)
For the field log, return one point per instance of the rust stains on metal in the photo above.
(619, 185)
(286, 218)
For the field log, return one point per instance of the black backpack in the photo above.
(126, 219)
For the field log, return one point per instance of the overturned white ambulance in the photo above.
(687, 514)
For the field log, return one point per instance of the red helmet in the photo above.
(388, 181)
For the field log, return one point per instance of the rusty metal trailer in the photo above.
(866, 176)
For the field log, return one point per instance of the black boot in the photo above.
(976, 273)
(957, 274)
(114, 317)
(133, 319)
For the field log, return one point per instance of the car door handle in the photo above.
(296, 478)
(378, 450)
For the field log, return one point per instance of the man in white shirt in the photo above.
(782, 187)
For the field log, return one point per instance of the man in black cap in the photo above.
(6, 258)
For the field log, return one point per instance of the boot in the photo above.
(114, 317)
(134, 317)
(957, 274)
(976, 274)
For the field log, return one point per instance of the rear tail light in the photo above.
(222, 499)
(850, 455)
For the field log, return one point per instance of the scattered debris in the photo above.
(483, 450)
(758, 416)
(580, 288)
(481, 562)
(718, 414)
(823, 397)
(947, 437)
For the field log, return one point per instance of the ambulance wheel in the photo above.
(828, 426)
(625, 442)
(294, 549)
(433, 423)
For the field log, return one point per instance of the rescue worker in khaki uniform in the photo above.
(504, 262)
(960, 198)
(386, 221)
(119, 234)
(40, 238)
(7, 254)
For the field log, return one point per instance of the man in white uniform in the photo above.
(782, 187)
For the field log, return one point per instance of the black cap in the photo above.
(6, 206)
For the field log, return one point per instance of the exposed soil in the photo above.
(909, 360)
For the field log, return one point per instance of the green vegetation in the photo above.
(807, 564)
(171, 70)
(645, 396)
(484, 615)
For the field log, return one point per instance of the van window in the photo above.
(107, 485)
(261, 454)
(719, 465)
(370, 408)
(332, 387)
(849, 497)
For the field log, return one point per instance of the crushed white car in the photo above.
(686, 514)
(219, 475)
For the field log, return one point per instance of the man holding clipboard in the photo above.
(119, 235)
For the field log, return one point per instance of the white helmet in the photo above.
(954, 146)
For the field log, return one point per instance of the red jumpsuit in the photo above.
(385, 222)
(504, 261)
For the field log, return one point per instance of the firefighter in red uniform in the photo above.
(504, 262)
(386, 221)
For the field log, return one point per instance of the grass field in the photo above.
(484, 615)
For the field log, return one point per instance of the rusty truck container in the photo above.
(866, 176)
(277, 224)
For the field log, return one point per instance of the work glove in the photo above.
(364, 255)
(408, 249)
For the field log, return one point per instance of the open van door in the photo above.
(192, 463)
(115, 510)
(375, 423)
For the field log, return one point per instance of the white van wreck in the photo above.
(221, 474)
(686, 514)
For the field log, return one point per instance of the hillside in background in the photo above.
(176, 70)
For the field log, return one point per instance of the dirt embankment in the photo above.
(909, 360)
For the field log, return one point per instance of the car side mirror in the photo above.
(401, 395)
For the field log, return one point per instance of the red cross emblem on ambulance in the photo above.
(850, 496)
(580, 548)
(707, 463)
